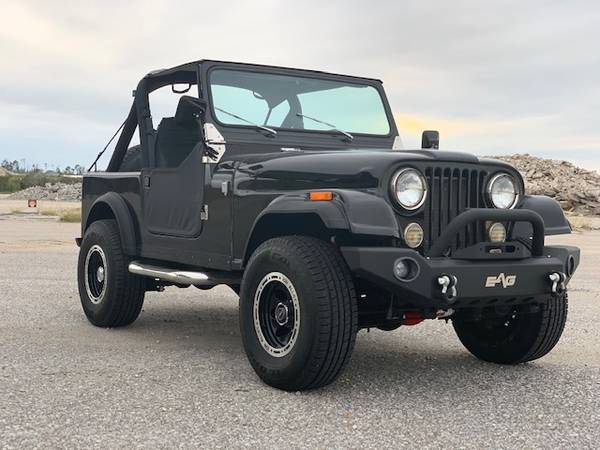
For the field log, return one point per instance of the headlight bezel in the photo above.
(393, 192)
(494, 179)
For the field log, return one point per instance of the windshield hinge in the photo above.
(204, 213)
(215, 141)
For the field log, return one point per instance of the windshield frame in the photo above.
(377, 85)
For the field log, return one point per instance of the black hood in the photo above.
(357, 168)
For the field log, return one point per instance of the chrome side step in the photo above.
(185, 277)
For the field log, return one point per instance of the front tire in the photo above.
(298, 313)
(110, 295)
(516, 337)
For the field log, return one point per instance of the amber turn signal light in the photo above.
(324, 196)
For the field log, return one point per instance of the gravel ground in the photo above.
(178, 377)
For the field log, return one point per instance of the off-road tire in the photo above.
(530, 337)
(327, 312)
(123, 292)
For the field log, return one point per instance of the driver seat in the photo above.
(177, 136)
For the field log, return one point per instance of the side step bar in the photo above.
(185, 277)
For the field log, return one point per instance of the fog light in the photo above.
(497, 232)
(401, 269)
(413, 235)
(406, 269)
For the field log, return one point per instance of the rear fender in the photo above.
(112, 204)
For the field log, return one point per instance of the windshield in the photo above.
(297, 103)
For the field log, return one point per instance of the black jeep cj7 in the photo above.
(291, 187)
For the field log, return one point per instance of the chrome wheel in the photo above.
(276, 312)
(95, 274)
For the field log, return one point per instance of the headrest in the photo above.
(188, 111)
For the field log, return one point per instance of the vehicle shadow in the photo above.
(407, 362)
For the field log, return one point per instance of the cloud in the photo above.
(492, 76)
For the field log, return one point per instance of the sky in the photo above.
(495, 77)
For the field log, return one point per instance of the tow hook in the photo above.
(448, 284)
(558, 282)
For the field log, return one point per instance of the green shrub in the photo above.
(10, 183)
(14, 183)
(39, 179)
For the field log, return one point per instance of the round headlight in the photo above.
(503, 191)
(410, 188)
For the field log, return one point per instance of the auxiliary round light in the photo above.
(406, 269)
(401, 269)
(497, 232)
(503, 192)
(409, 188)
(413, 235)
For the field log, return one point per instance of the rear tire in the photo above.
(298, 313)
(516, 338)
(110, 295)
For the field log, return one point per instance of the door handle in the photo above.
(146, 181)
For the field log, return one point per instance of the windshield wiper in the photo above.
(267, 129)
(333, 127)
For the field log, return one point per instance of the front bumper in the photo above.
(478, 283)
(479, 278)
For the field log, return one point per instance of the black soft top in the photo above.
(139, 114)
(193, 65)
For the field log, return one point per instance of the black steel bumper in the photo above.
(487, 275)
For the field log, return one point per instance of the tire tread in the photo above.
(338, 314)
(128, 295)
(543, 332)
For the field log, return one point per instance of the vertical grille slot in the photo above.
(451, 192)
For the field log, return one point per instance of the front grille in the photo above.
(451, 192)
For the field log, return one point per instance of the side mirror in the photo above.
(430, 139)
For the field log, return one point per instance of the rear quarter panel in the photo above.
(126, 184)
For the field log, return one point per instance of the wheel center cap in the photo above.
(281, 314)
(100, 274)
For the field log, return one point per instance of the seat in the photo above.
(176, 137)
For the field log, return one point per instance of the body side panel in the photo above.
(121, 193)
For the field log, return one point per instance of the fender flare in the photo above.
(120, 210)
(355, 211)
(554, 218)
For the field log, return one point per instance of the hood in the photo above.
(357, 169)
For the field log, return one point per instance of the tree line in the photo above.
(21, 177)
(20, 167)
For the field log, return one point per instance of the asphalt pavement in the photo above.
(178, 376)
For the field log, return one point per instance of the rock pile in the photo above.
(576, 189)
(57, 191)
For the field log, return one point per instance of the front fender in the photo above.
(554, 218)
(358, 212)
